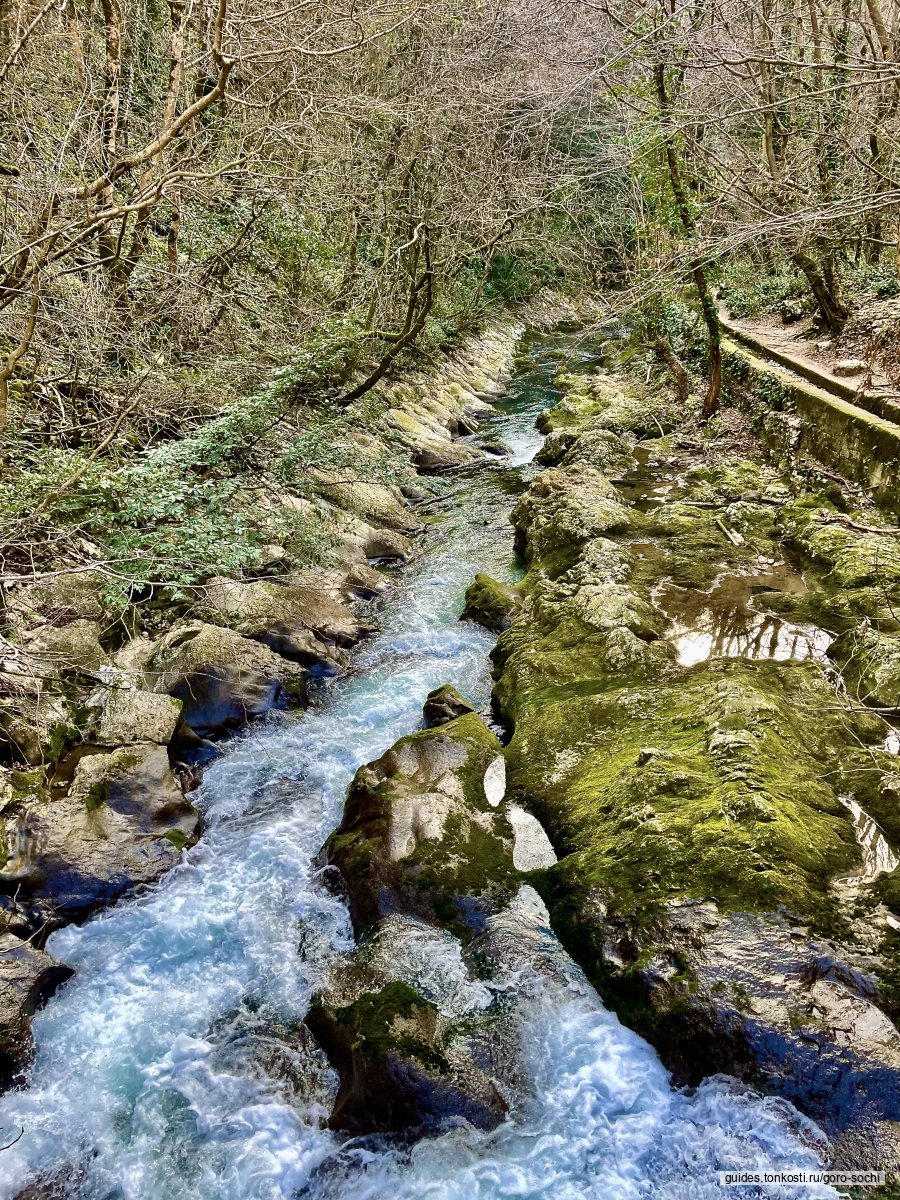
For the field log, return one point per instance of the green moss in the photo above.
(610, 402)
(386, 1022)
(419, 834)
(735, 811)
(95, 797)
(491, 603)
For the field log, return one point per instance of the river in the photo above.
(161, 1068)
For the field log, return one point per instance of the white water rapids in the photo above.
(154, 1077)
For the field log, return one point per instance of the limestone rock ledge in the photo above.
(700, 808)
(419, 1021)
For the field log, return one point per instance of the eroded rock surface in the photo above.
(420, 834)
(699, 802)
(122, 824)
(421, 1021)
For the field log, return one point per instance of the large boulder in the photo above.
(564, 509)
(127, 716)
(491, 603)
(69, 593)
(72, 646)
(124, 822)
(221, 678)
(28, 978)
(257, 609)
(377, 503)
(423, 832)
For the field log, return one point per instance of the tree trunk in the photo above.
(831, 307)
(666, 354)
(698, 271)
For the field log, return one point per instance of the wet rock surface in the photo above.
(123, 823)
(419, 1022)
(400, 1066)
(422, 832)
(28, 978)
(491, 603)
(443, 705)
(677, 730)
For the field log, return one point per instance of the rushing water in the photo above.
(163, 1070)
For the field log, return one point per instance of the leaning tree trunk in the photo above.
(833, 310)
(697, 268)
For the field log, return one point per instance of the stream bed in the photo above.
(170, 1067)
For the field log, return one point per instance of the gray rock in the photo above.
(130, 716)
(221, 678)
(422, 834)
(846, 367)
(28, 977)
(444, 704)
(76, 644)
(123, 823)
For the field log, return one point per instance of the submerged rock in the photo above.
(402, 1067)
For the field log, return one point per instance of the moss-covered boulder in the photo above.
(403, 1067)
(423, 831)
(565, 508)
(491, 603)
(302, 624)
(611, 402)
(443, 705)
(597, 447)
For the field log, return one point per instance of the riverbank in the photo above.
(721, 799)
